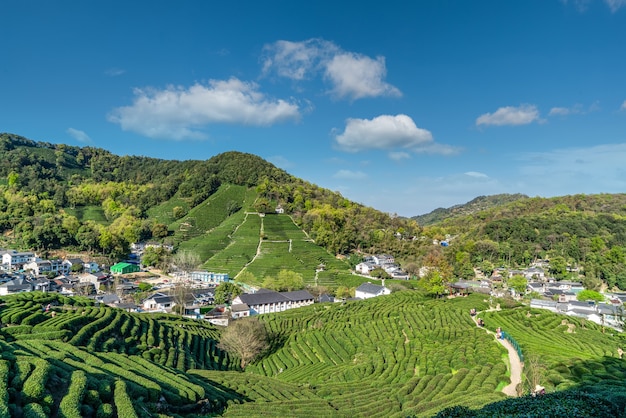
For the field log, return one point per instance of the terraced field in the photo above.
(266, 245)
(72, 359)
(394, 356)
(569, 350)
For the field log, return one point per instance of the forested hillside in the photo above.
(84, 198)
(54, 196)
(475, 205)
(585, 233)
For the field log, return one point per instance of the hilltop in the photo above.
(477, 204)
(56, 196)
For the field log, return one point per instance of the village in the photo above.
(119, 285)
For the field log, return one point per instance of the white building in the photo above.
(209, 277)
(369, 290)
(15, 260)
(268, 301)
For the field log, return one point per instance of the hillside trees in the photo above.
(439, 272)
(518, 283)
(285, 281)
(157, 257)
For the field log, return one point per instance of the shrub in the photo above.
(123, 402)
(105, 411)
(34, 410)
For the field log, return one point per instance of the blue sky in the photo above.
(404, 106)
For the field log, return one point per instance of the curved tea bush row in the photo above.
(70, 404)
(563, 341)
(4, 386)
(123, 402)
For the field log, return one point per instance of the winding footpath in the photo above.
(515, 365)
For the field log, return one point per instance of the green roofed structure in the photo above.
(123, 268)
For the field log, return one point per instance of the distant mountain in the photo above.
(475, 205)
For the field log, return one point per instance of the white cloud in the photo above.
(623, 106)
(356, 76)
(577, 109)
(351, 75)
(382, 132)
(477, 175)
(580, 5)
(350, 175)
(178, 113)
(79, 135)
(114, 72)
(399, 155)
(297, 60)
(434, 148)
(559, 111)
(583, 5)
(615, 5)
(510, 115)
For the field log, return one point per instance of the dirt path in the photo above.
(515, 365)
(516, 369)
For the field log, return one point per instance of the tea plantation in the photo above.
(394, 356)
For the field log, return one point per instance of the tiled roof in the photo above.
(370, 288)
(266, 296)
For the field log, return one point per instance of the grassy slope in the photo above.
(209, 214)
(565, 344)
(280, 244)
(88, 213)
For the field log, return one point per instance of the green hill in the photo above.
(477, 204)
(55, 196)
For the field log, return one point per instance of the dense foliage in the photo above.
(477, 204)
(57, 196)
(580, 234)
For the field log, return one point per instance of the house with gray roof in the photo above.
(267, 301)
(369, 290)
(550, 305)
(17, 285)
(159, 302)
(560, 294)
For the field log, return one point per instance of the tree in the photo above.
(159, 230)
(289, 280)
(186, 260)
(433, 283)
(180, 293)
(150, 257)
(178, 212)
(342, 292)
(585, 295)
(518, 283)
(558, 267)
(77, 268)
(226, 292)
(245, 338)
